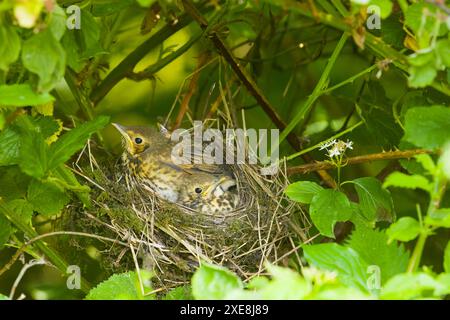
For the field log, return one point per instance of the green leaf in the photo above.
(401, 180)
(9, 146)
(328, 207)
(439, 218)
(420, 77)
(179, 293)
(13, 183)
(47, 198)
(351, 268)
(3, 297)
(373, 247)
(213, 282)
(285, 284)
(415, 15)
(71, 142)
(375, 202)
(447, 258)
(302, 191)
(21, 95)
(409, 286)
(124, 286)
(443, 52)
(57, 23)
(43, 55)
(111, 7)
(427, 163)
(428, 127)
(6, 230)
(34, 152)
(22, 209)
(385, 7)
(10, 46)
(404, 229)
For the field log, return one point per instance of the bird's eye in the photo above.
(198, 190)
(138, 140)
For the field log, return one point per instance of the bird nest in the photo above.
(172, 240)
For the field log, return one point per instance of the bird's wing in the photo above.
(195, 168)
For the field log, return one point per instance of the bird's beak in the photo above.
(123, 132)
(224, 183)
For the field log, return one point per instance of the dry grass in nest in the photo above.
(172, 240)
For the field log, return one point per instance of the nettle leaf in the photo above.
(47, 198)
(447, 258)
(351, 268)
(401, 180)
(21, 95)
(328, 207)
(375, 202)
(124, 286)
(213, 282)
(428, 127)
(10, 48)
(302, 191)
(372, 246)
(43, 55)
(74, 140)
(6, 230)
(404, 229)
(439, 218)
(22, 209)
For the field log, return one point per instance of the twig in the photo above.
(240, 72)
(191, 90)
(389, 155)
(50, 234)
(52, 255)
(24, 269)
(127, 65)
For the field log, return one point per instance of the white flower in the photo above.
(328, 144)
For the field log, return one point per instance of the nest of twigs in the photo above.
(172, 240)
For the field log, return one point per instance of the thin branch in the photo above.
(22, 272)
(52, 255)
(240, 72)
(127, 65)
(191, 90)
(325, 165)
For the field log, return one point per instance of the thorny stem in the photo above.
(324, 165)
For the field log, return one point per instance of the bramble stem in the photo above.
(324, 165)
